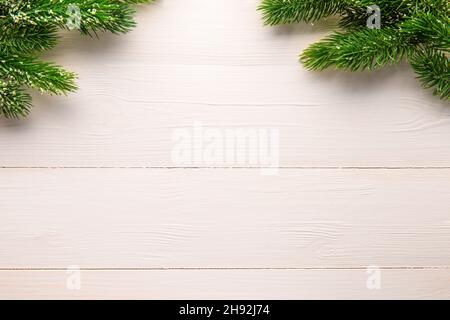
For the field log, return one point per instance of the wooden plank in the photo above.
(214, 62)
(225, 284)
(224, 218)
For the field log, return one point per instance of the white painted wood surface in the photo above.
(226, 284)
(236, 218)
(213, 61)
(365, 177)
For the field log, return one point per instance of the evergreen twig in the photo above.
(416, 29)
(29, 27)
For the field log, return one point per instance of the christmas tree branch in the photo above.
(433, 69)
(419, 29)
(28, 27)
(40, 75)
(290, 11)
(95, 15)
(14, 102)
(26, 40)
(364, 49)
(429, 29)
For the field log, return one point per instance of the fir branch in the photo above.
(96, 15)
(364, 49)
(429, 29)
(419, 29)
(36, 74)
(26, 40)
(290, 11)
(392, 12)
(433, 70)
(14, 102)
(28, 27)
(435, 7)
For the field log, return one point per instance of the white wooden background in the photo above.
(89, 180)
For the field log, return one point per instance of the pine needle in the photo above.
(416, 29)
(29, 27)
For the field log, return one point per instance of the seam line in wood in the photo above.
(252, 168)
(229, 269)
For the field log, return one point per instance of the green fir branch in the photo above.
(433, 69)
(290, 11)
(364, 49)
(417, 29)
(14, 101)
(28, 27)
(429, 29)
(43, 76)
(95, 15)
(26, 40)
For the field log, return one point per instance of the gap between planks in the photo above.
(231, 269)
(223, 167)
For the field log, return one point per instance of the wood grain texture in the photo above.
(232, 218)
(365, 178)
(214, 62)
(226, 284)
